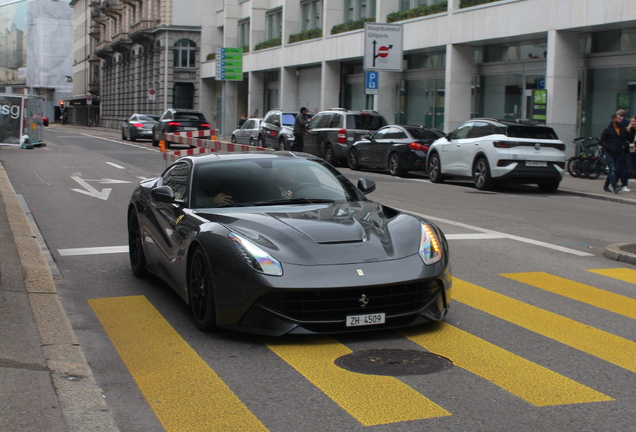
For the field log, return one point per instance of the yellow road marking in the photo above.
(370, 399)
(577, 291)
(624, 274)
(533, 383)
(606, 346)
(182, 390)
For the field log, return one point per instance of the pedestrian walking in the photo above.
(630, 155)
(300, 128)
(613, 141)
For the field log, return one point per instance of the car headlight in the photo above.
(256, 257)
(430, 247)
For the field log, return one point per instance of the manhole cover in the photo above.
(393, 362)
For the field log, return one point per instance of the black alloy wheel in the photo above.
(352, 160)
(394, 166)
(434, 169)
(262, 141)
(123, 135)
(201, 291)
(132, 137)
(135, 246)
(481, 175)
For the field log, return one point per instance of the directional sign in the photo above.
(371, 80)
(229, 64)
(383, 46)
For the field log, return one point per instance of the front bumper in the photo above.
(317, 299)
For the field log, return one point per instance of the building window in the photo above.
(311, 14)
(184, 54)
(412, 4)
(274, 22)
(358, 9)
(244, 32)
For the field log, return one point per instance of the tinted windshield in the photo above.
(189, 116)
(365, 121)
(148, 118)
(263, 181)
(532, 132)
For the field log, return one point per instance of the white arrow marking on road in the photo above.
(90, 190)
(108, 181)
(115, 165)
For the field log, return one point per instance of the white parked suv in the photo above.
(499, 151)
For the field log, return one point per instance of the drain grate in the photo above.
(393, 362)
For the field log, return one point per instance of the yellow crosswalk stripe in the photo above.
(577, 291)
(601, 344)
(182, 390)
(370, 399)
(533, 383)
(624, 274)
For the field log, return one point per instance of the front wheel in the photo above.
(201, 291)
(481, 175)
(262, 141)
(394, 166)
(352, 160)
(549, 187)
(434, 168)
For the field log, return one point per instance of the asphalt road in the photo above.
(541, 331)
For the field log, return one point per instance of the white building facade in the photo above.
(461, 59)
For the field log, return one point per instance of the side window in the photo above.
(269, 117)
(480, 129)
(381, 134)
(275, 118)
(324, 121)
(398, 134)
(177, 178)
(248, 124)
(314, 121)
(336, 121)
(462, 131)
(133, 119)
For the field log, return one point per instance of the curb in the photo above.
(616, 252)
(80, 398)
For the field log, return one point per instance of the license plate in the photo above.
(536, 164)
(189, 128)
(364, 320)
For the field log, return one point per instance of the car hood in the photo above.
(339, 233)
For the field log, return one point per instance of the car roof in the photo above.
(506, 123)
(252, 155)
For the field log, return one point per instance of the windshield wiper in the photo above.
(294, 201)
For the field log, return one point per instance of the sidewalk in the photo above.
(45, 381)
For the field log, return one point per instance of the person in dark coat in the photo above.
(614, 141)
(300, 127)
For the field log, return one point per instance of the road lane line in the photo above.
(370, 399)
(115, 165)
(624, 274)
(529, 381)
(606, 346)
(577, 291)
(182, 390)
(93, 250)
(508, 236)
(474, 236)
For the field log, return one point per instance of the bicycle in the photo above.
(583, 151)
(593, 166)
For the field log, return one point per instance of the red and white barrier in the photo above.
(193, 138)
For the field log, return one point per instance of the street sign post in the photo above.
(383, 47)
(152, 94)
(229, 66)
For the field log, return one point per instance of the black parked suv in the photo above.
(333, 131)
(178, 120)
(277, 129)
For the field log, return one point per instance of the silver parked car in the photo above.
(138, 126)
(248, 133)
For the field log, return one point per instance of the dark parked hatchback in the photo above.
(333, 131)
(178, 120)
(397, 149)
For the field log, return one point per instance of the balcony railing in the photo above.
(120, 37)
(144, 24)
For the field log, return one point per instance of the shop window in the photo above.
(426, 60)
(516, 51)
(184, 54)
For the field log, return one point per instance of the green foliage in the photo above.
(417, 12)
(211, 56)
(246, 49)
(469, 3)
(351, 25)
(269, 44)
(306, 35)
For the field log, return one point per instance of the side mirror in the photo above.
(366, 185)
(163, 194)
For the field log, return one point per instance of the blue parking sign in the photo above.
(371, 82)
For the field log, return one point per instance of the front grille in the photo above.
(335, 304)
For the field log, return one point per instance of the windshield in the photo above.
(276, 181)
